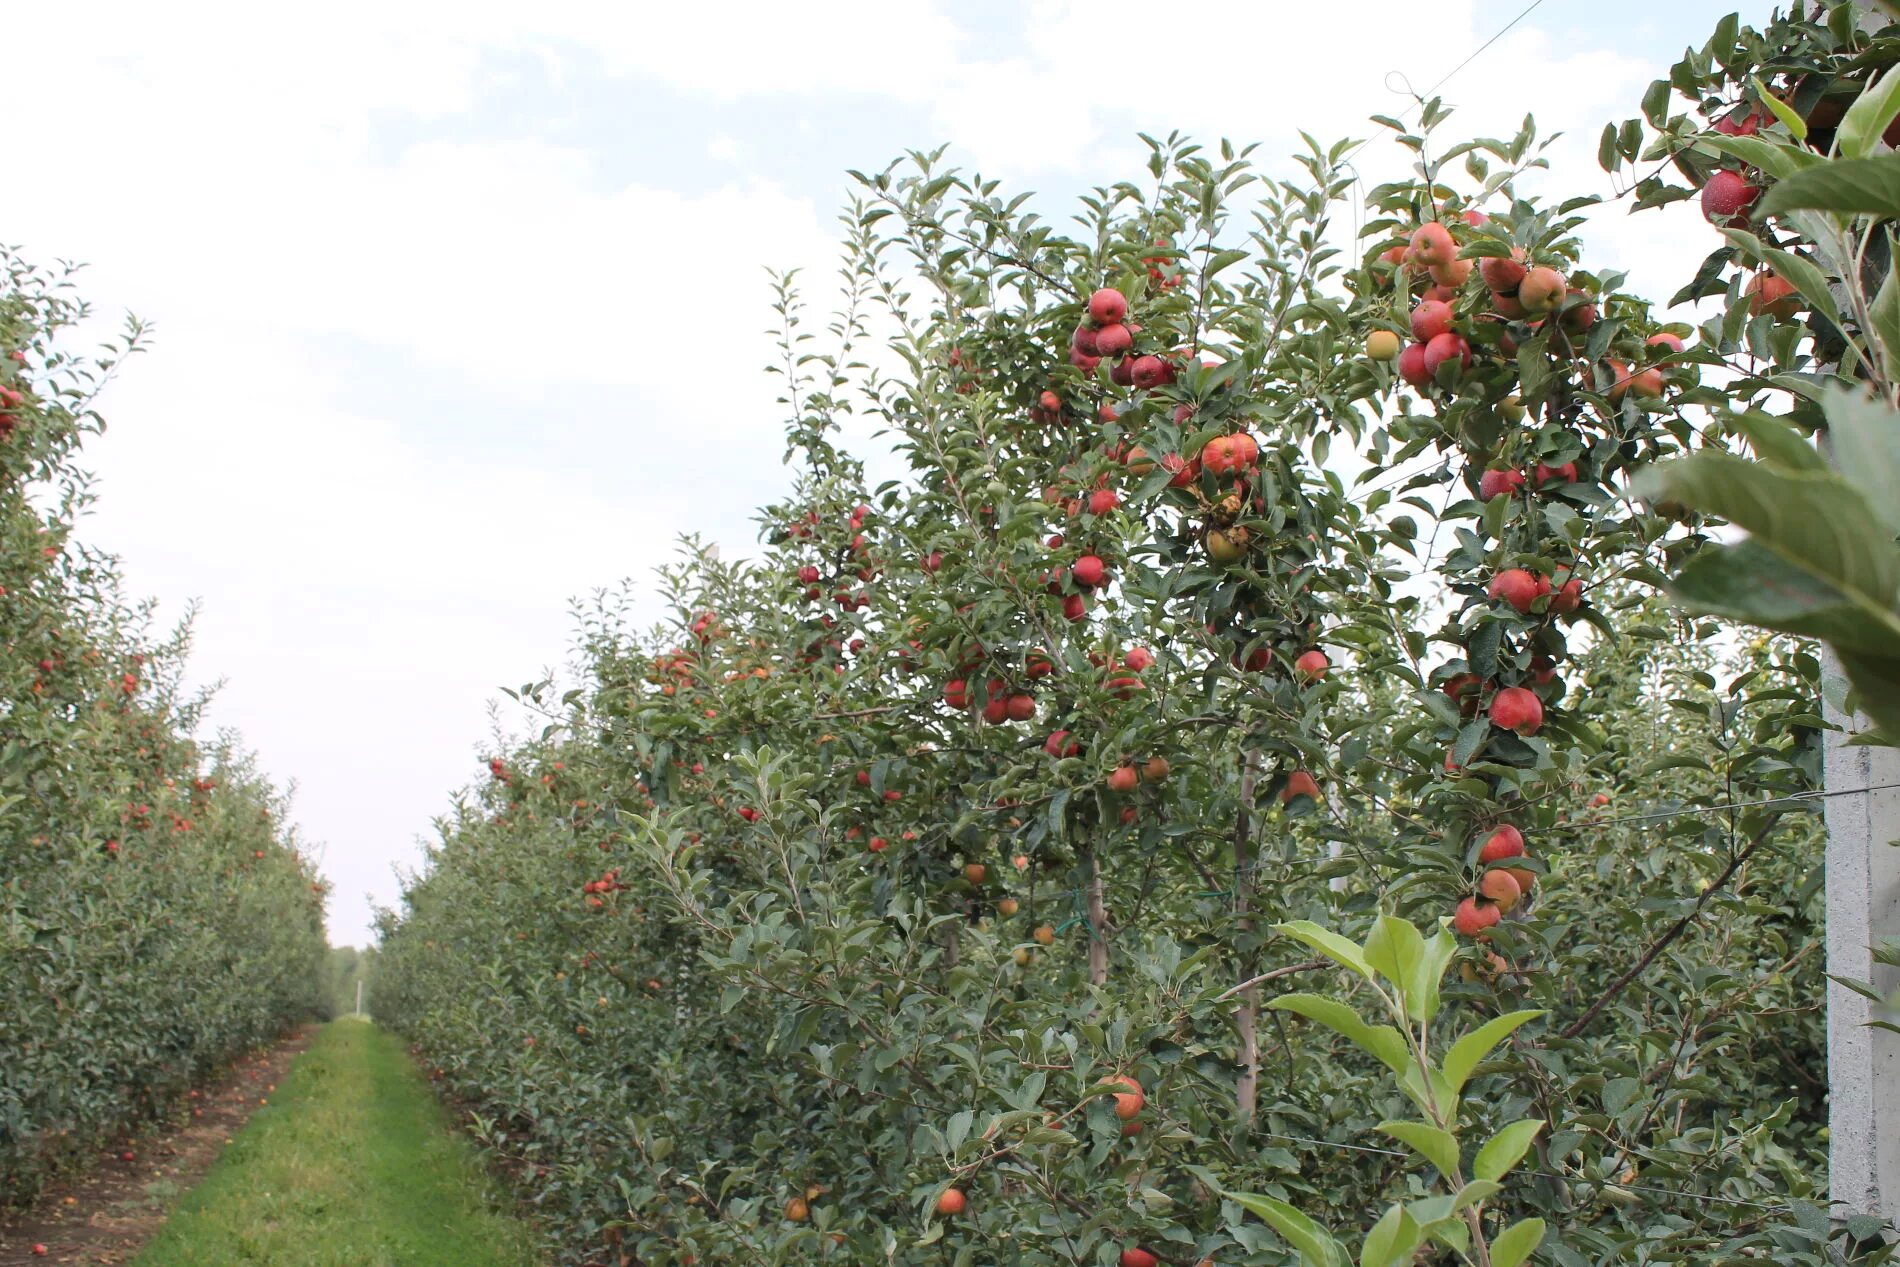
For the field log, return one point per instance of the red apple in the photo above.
(1506, 842)
(1517, 708)
(1518, 587)
(1727, 198)
(1108, 306)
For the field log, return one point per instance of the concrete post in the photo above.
(1863, 909)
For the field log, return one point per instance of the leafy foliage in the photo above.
(156, 915)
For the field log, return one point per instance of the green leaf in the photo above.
(1505, 1149)
(1863, 436)
(1779, 159)
(1776, 442)
(1886, 314)
(1862, 186)
(1811, 519)
(1468, 1052)
(1514, 1244)
(1394, 950)
(1876, 682)
(1789, 117)
(1438, 1147)
(1868, 117)
(1382, 1042)
(1317, 1248)
(1391, 1240)
(1339, 949)
(1749, 582)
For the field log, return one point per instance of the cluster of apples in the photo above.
(1503, 882)
(609, 882)
(1106, 334)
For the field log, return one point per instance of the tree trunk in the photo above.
(1247, 1021)
(1098, 923)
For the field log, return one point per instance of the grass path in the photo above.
(352, 1164)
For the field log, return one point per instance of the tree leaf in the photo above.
(1505, 1149)
(1339, 949)
(1438, 1147)
(1468, 1052)
(1317, 1248)
(1868, 117)
(1382, 1042)
(1391, 1240)
(1863, 438)
(1810, 518)
(1514, 1244)
(1751, 583)
(1862, 186)
(1777, 158)
(1789, 116)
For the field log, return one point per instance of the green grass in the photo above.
(352, 1164)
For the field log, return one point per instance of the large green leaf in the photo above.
(1876, 682)
(1812, 519)
(1863, 437)
(1778, 158)
(1505, 1149)
(1467, 1052)
(1438, 1147)
(1863, 186)
(1514, 1244)
(1868, 117)
(1382, 1042)
(1391, 1240)
(1751, 583)
(1339, 949)
(1316, 1246)
(1399, 953)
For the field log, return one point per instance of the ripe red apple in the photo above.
(1474, 917)
(1139, 658)
(1542, 290)
(1508, 307)
(996, 710)
(1412, 366)
(956, 693)
(1083, 341)
(1230, 455)
(1517, 708)
(807, 574)
(1565, 474)
(1432, 245)
(1113, 341)
(1022, 707)
(1664, 340)
(1312, 665)
(1103, 500)
(1135, 1256)
(1074, 607)
(1727, 198)
(1500, 888)
(1298, 784)
(1123, 779)
(1567, 597)
(1108, 306)
(1519, 587)
(1431, 319)
(951, 1201)
(1129, 1103)
(749, 814)
(1149, 371)
(1506, 842)
(878, 844)
(1059, 744)
(1502, 275)
(1771, 294)
(1464, 690)
(1496, 482)
(1089, 571)
(1451, 276)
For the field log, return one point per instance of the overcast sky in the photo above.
(460, 307)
